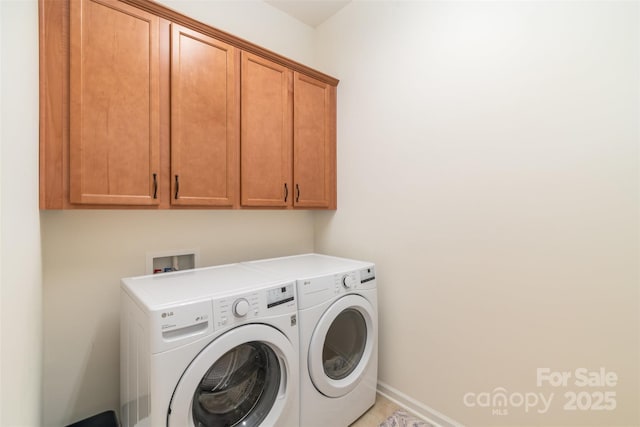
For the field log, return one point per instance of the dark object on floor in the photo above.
(103, 419)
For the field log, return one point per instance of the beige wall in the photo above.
(20, 276)
(86, 253)
(488, 163)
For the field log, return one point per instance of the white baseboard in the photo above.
(419, 409)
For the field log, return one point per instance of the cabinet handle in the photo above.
(177, 188)
(286, 192)
(155, 186)
(297, 193)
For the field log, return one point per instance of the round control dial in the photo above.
(347, 281)
(240, 307)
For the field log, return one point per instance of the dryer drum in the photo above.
(344, 344)
(240, 387)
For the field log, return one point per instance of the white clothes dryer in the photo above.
(209, 347)
(338, 321)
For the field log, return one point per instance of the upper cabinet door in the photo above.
(314, 143)
(204, 120)
(266, 133)
(114, 104)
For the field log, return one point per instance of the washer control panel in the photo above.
(238, 308)
(281, 295)
(241, 307)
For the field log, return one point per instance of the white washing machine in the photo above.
(338, 321)
(209, 347)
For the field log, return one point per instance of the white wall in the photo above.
(1, 281)
(488, 163)
(1, 117)
(85, 253)
(20, 276)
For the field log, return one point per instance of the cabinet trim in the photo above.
(53, 17)
(242, 44)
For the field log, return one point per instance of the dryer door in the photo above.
(240, 378)
(342, 345)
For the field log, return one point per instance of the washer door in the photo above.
(240, 378)
(341, 345)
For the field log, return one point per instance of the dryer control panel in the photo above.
(354, 280)
(317, 290)
(238, 308)
(367, 274)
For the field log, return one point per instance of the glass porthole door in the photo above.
(341, 346)
(344, 344)
(239, 379)
(239, 388)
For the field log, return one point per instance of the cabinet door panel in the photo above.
(204, 120)
(314, 143)
(266, 133)
(114, 104)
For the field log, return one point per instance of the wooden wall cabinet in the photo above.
(204, 120)
(288, 139)
(266, 143)
(142, 107)
(114, 149)
(314, 143)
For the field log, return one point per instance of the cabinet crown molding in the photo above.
(177, 17)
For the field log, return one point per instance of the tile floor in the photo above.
(377, 414)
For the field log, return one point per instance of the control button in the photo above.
(347, 281)
(241, 307)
